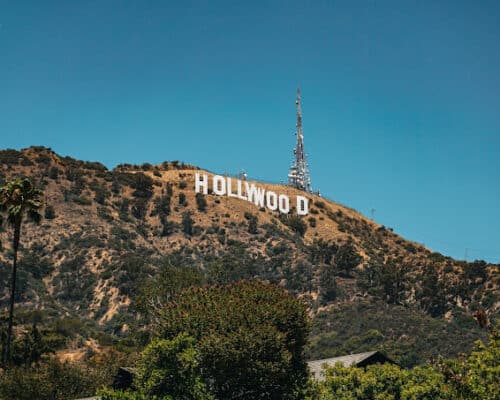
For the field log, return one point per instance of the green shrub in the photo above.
(53, 173)
(201, 202)
(182, 199)
(103, 212)
(187, 223)
(83, 201)
(51, 380)
(295, 223)
(50, 212)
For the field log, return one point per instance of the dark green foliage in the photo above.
(295, 223)
(299, 276)
(29, 347)
(201, 202)
(234, 264)
(43, 159)
(74, 174)
(124, 208)
(312, 222)
(83, 201)
(31, 269)
(172, 368)
(252, 226)
(103, 212)
(437, 257)
(432, 295)
(187, 223)
(394, 281)
(347, 258)
(170, 190)
(75, 283)
(141, 183)
(319, 204)
(471, 378)
(101, 194)
(51, 380)
(130, 271)
(122, 239)
(250, 338)
(167, 227)
(53, 173)
(182, 185)
(322, 252)
(252, 223)
(327, 283)
(139, 207)
(475, 272)
(182, 199)
(368, 279)
(162, 206)
(50, 212)
(407, 337)
(115, 186)
(163, 286)
(13, 157)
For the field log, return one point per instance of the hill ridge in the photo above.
(106, 232)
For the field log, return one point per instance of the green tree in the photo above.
(162, 287)
(327, 283)
(172, 368)
(477, 376)
(29, 348)
(473, 378)
(432, 295)
(201, 202)
(347, 258)
(187, 223)
(18, 199)
(393, 280)
(182, 199)
(250, 337)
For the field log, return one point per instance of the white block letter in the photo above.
(201, 182)
(219, 185)
(240, 192)
(259, 197)
(272, 201)
(302, 205)
(230, 188)
(284, 203)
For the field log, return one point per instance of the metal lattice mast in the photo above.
(299, 171)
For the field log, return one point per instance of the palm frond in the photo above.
(33, 204)
(18, 198)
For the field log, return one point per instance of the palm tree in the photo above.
(18, 198)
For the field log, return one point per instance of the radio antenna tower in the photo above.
(299, 171)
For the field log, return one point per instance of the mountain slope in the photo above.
(107, 232)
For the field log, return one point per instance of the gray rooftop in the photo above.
(351, 360)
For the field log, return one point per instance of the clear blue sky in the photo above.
(401, 99)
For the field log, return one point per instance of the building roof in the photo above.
(351, 360)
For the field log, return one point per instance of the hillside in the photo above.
(108, 233)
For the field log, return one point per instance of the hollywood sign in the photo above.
(226, 186)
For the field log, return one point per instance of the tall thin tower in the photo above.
(299, 171)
